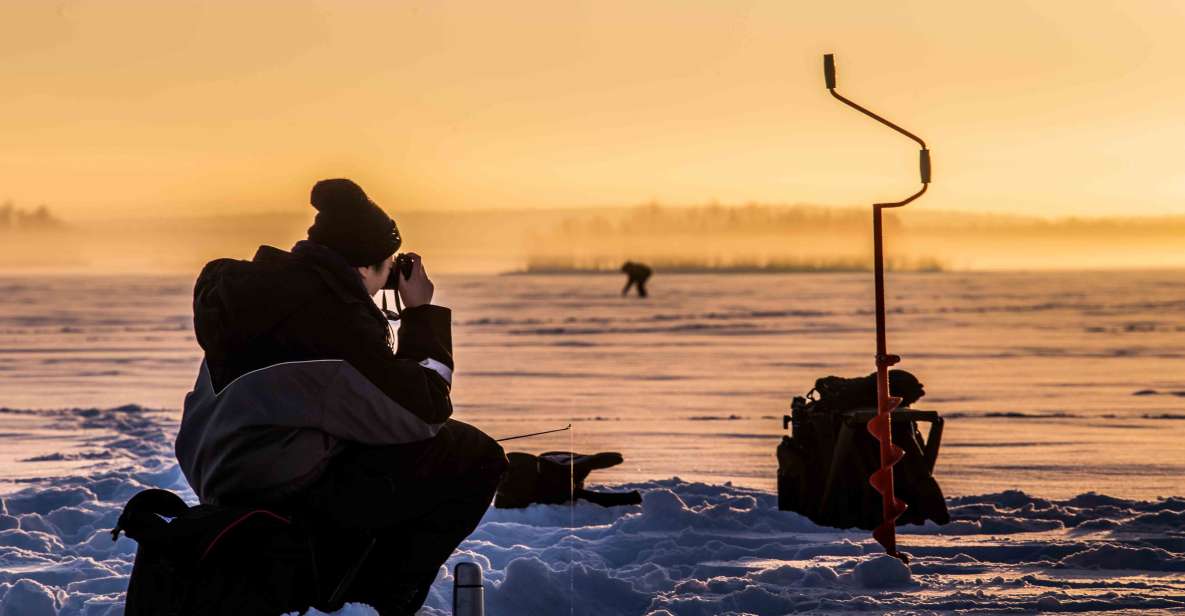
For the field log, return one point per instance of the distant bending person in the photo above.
(638, 275)
(303, 403)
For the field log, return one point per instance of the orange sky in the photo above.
(1054, 108)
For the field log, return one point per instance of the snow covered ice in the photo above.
(1076, 387)
(690, 549)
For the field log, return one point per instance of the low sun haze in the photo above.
(133, 108)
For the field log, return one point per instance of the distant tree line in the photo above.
(713, 218)
(38, 218)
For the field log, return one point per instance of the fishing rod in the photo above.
(879, 425)
(511, 438)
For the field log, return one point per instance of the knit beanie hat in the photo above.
(350, 224)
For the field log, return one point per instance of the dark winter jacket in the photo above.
(298, 361)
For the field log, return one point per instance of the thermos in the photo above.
(468, 593)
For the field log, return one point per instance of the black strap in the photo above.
(348, 579)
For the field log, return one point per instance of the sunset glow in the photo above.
(137, 108)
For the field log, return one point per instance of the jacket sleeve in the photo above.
(416, 378)
(425, 336)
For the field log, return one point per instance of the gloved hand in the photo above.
(555, 478)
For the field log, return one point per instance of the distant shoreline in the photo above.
(838, 266)
(688, 272)
(575, 272)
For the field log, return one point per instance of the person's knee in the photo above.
(485, 453)
(493, 461)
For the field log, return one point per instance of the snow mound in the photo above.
(1114, 557)
(689, 549)
(882, 571)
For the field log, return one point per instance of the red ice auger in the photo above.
(879, 425)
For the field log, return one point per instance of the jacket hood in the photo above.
(236, 301)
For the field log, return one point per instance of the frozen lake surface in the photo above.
(1053, 385)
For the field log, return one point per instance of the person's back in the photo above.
(301, 402)
(637, 274)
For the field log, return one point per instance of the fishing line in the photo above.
(511, 438)
(571, 504)
(571, 520)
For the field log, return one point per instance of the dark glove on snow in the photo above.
(556, 477)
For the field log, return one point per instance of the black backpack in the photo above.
(837, 394)
(215, 560)
(825, 463)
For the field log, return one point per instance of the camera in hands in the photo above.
(401, 271)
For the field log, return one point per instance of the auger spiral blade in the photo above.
(880, 427)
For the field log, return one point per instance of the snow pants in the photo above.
(390, 516)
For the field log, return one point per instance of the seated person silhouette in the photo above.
(308, 402)
(638, 274)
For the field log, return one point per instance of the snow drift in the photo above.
(690, 549)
